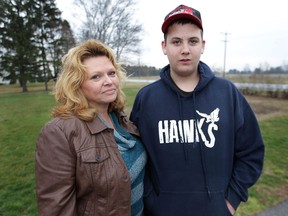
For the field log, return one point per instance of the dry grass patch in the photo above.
(266, 108)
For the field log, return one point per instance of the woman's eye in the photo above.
(112, 73)
(95, 77)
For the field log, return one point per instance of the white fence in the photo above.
(263, 86)
(260, 86)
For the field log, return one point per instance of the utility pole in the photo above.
(225, 47)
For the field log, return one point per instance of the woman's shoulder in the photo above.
(64, 124)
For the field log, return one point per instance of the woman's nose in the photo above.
(107, 80)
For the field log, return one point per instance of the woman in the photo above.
(89, 160)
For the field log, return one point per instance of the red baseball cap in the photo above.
(182, 12)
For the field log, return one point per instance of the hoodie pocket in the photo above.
(186, 204)
(224, 204)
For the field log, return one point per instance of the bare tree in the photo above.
(111, 21)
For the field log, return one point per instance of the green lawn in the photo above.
(21, 117)
(23, 114)
(272, 186)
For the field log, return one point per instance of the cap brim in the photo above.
(180, 16)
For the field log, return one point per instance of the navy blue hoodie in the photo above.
(203, 147)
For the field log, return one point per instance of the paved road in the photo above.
(278, 210)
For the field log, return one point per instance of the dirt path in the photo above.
(266, 107)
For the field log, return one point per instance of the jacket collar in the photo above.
(96, 125)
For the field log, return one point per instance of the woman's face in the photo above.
(101, 84)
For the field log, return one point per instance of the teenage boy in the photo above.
(203, 140)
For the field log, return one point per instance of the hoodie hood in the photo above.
(206, 75)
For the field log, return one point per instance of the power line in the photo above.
(225, 47)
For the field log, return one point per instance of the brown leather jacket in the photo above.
(79, 170)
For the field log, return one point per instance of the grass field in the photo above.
(23, 114)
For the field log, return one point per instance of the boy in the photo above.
(203, 141)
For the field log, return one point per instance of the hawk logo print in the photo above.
(211, 120)
(213, 117)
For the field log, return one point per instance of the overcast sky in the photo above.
(257, 31)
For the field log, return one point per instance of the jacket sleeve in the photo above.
(55, 173)
(248, 155)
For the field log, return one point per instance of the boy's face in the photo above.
(183, 46)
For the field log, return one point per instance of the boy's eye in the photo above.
(193, 41)
(176, 42)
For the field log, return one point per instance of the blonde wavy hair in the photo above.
(67, 90)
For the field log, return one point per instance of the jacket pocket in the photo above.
(94, 155)
(95, 158)
(95, 161)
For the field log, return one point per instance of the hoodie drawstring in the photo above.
(202, 153)
(185, 151)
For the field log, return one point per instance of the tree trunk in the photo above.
(23, 84)
(46, 83)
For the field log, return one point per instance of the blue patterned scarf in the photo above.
(134, 155)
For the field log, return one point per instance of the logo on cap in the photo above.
(182, 12)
